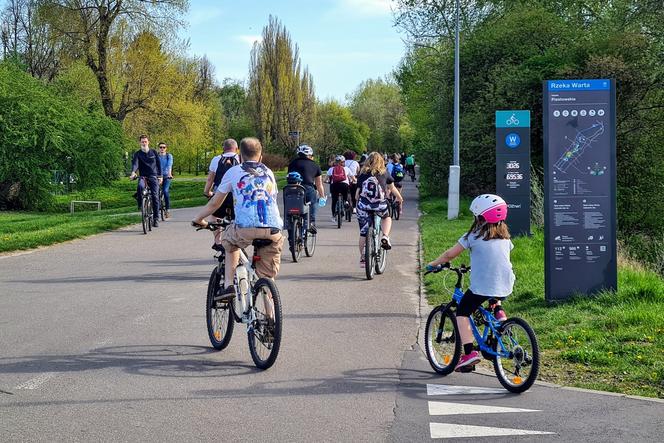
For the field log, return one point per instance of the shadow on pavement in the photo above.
(140, 278)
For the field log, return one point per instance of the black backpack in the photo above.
(225, 163)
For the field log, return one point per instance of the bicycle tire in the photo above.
(149, 211)
(162, 206)
(396, 210)
(340, 213)
(145, 218)
(262, 333)
(369, 261)
(381, 260)
(294, 239)
(518, 384)
(219, 336)
(435, 335)
(309, 244)
(349, 213)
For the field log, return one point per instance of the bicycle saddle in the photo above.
(260, 242)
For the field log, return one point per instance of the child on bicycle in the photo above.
(488, 241)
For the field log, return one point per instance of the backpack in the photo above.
(225, 163)
(398, 172)
(372, 192)
(338, 174)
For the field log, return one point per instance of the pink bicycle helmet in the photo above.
(492, 207)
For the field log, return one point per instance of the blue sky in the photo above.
(343, 42)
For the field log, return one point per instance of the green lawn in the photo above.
(27, 230)
(611, 342)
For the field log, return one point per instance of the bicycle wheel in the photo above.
(309, 243)
(518, 370)
(441, 340)
(349, 213)
(340, 213)
(369, 254)
(381, 260)
(396, 210)
(295, 239)
(162, 206)
(149, 211)
(145, 217)
(265, 332)
(218, 316)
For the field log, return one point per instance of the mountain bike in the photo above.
(375, 257)
(342, 210)
(146, 206)
(257, 304)
(511, 344)
(411, 171)
(394, 207)
(298, 222)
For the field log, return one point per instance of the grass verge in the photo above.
(27, 230)
(611, 342)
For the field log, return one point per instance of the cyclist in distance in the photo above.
(312, 179)
(219, 165)
(410, 163)
(254, 191)
(146, 162)
(354, 167)
(491, 277)
(373, 185)
(166, 160)
(340, 178)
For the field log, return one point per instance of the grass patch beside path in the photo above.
(27, 230)
(611, 342)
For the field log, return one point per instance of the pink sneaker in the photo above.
(468, 360)
(501, 316)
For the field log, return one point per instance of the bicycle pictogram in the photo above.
(512, 121)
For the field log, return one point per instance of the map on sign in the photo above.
(578, 145)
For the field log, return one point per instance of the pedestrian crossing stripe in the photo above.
(461, 390)
(445, 408)
(449, 430)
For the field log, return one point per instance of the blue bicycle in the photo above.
(511, 345)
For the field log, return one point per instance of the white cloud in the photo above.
(198, 17)
(249, 39)
(366, 7)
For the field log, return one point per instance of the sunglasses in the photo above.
(162, 147)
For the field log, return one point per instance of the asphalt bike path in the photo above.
(105, 339)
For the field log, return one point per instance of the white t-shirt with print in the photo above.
(254, 190)
(353, 166)
(491, 270)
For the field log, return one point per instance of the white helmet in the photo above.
(492, 207)
(339, 158)
(305, 149)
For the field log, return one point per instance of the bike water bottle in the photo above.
(242, 285)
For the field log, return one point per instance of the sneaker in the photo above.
(226, 295)
(333, 219)
(468, 360)
(168, 214)
(155, 223)
(217, 247)
(354, 211)
(500, 315)
(385, 243)
(312, 229)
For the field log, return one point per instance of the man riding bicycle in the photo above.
(146, 162)
(311, 179)
(254, 191)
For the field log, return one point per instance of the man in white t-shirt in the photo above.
(230, 150)
(354, 167)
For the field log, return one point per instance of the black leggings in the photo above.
(335, 190)
(470, 302)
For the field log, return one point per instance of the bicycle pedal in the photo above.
(467, 369)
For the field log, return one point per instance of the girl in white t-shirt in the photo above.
(340, 178)
(488, 241)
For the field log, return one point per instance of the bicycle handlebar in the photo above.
(463, 269)
(213, 226)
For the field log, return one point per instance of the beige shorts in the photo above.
(234, 238)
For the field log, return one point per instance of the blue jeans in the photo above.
(166, 187)
(153, 184)
(311, 198)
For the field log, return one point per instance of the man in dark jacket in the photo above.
(146, 162)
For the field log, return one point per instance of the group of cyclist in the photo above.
(157, 170)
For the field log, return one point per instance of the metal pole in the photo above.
(455, 170)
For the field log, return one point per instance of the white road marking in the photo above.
(36, 382)
(461, 390)
(448, 430)
(444, 408)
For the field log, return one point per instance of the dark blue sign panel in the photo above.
(580, 187)
(513, 167)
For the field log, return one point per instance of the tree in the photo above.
(335, 130)
(378, 104)
(235, 105)
(281, 92)
(90, 26)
